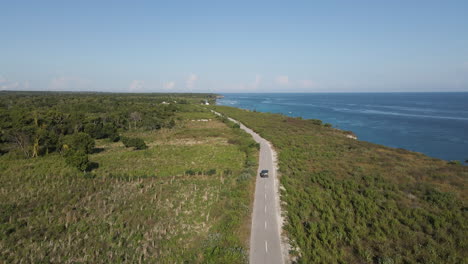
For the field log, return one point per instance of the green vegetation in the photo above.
(78, 142)
(136, 143)
(77, 159)
(71, 192)
(349, 201)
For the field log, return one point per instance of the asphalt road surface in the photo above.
(265, 245)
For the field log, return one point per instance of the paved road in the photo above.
(265, 246)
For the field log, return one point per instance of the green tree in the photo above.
(77, 159)
(137, 143)
(92, 130)
(78, 142)
(110, 131)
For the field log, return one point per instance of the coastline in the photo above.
(403, 125)
(339, 193)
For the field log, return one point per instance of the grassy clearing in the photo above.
(169, 160)
(349, 201)
(184, 199)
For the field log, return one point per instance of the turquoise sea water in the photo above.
(435, 124)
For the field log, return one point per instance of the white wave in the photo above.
(228, 102)
(418, 109)
(411, 115)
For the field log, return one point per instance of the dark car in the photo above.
(264, 173)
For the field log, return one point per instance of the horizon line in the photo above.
(181, 92)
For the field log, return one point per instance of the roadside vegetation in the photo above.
(349, 201)
(122, 178)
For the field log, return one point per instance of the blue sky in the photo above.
(234, 46)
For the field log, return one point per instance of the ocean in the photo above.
(435, 124)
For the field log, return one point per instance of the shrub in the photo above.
(99, 131)
(211, 172)
(244, 177)
(92, 130)
(255, 145)
(78, 142)
(110, 131)
(442, 199)
(114, 137)
(316, 122)
(137, 143)
(77, 159)
(190, 172)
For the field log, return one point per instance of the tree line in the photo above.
(34, 124)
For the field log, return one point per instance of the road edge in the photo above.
(284, 240)
(285, 246)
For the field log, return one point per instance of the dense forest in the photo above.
(350, 201)
(122, 178)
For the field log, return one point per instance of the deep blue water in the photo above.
(435, 124)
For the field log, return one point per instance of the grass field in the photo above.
(349, 201)
(185, 198)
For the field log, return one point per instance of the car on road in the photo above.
(264, 174)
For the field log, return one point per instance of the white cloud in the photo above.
(169, 85)
(26, 85)
(191, 79)
(282, 80)
(306, 83)
(58, 83)
(136, 86)
(6, 84)
(9, 85)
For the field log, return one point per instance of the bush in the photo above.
(211, 172)
(244, 177)
(316, 122)
(99, 131)
(190, 172)
(110, 131)
(137, 143)
(255, 145)
(78, 142)
(114, 137)
(93, 130)
(77, 159)
(441, 199)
